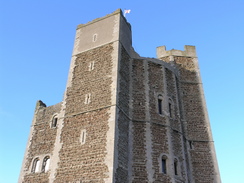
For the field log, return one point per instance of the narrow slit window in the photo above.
(176, 167)
(160, 104)
(170, 110)
(190, 144)
(88, 98)
(91, 66)
(94, 39)
(54, 122)
(83, 137)
(164, 170)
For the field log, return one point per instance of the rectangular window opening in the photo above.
(88, 98)
(175, 168)
(83, 137)
(164, 166)
(190, 144)
(91, 66)
(54, 124)
(170, 110)
(160, 106)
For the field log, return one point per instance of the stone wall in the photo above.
(156, 88)
(121, 115)
(42, 142)
(164, 136)
(177, 138)
(80, 161)
(201, 167)
(158, 121)
(160, 145)
(139, 158)
(87, 108)
(121, 174)
(91, 76)
(138, 92)
(142, 136)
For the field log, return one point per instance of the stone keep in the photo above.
(124, 118)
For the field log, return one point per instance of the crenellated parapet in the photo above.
(189, 51)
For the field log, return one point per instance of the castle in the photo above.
(123, 118)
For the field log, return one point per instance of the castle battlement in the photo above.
(189, 51)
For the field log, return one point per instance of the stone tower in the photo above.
(124, 118)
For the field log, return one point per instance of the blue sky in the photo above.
(36, 42)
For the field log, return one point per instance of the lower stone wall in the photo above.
(37, 177)
(178, 149)
(121, 175)
(202, 162)
(159, 147)
(139, 170)
(84, 161)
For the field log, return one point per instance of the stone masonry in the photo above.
(124, 118)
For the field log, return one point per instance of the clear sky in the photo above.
(36, 42)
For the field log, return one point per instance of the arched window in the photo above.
(164, 164)
(54, 122)
(94, 39)
(160, 104)
(35, 165)
(45, 164)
